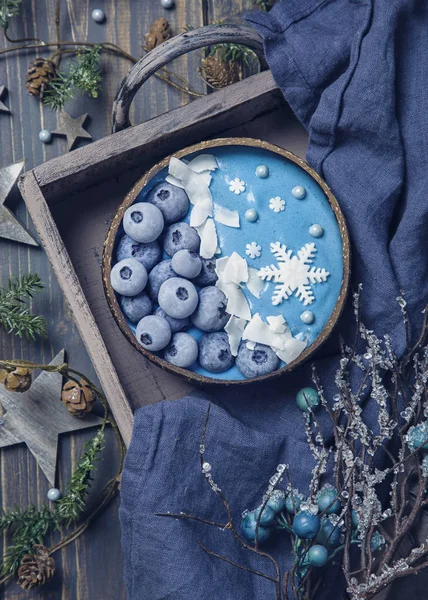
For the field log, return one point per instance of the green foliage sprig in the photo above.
(8, 9)
(15, 316)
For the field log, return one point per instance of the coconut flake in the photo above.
(234, 328)
(231, 271)
(203, 162)
(250, 345)
(255, 285)
(258, 331)
(292, 349)
(277, 323)
(227, 217)
(208, 234)
(236, 270)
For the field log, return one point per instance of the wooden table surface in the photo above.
(92, 567)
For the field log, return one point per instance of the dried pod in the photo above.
(159, 32)
(18, 380)
(35, 569)
(39, 75)
(219, 73)
(78, 398)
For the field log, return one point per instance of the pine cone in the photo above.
(78, 398)
(18, 380)
(35, 569)
(219, 73)
(39, 75)
(159, 32)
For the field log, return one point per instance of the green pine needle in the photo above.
(15, 316)
(8, 9)
(235, 52)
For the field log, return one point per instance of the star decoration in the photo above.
(37, 416)
(3, 107)
(71, 128)
(10, 227)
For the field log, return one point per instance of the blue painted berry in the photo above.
(276, 501)
(329, 534)
(214, 352)
(307, 396)
(187, 264)
(128, 277)
(136, 307)
(180, 236)
(293, 502)
(182, 351)
(207, 276)
(377, 541)
(328, 496)
(143, 222)
(254, 363)
(178, 297)
(318, 555)
(248, 528)
(417, 437)
(153, 333)
(306, 525)
(172, 201)
(355, 519)
(211, 312)
(147, 254)
(267, 517)
(160, 273)
(175, 324)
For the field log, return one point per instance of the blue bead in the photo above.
(168, 4)
(289, 506)
(268, 516)
(298, 192)
(355, 519)
(325, 498)
(262, 171)
(54, 494)
(248, 528)
(251, 215)
(316, 230)
(329, 534)
(307, 317)
(306, 526)
(276, 502)
(98, 15)
(307, 396)
(45, 136)
(318, 556)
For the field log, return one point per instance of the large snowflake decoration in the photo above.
(293, 273)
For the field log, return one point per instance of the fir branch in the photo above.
(8, 9)
(234, 52)
(15, 317)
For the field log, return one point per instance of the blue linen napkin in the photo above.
(354, 72)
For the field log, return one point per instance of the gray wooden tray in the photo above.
(73, 198)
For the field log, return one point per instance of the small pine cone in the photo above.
(159, 32)
(18, 380)
(219, 73)
(36, 569)
(39, 75)
(78, 398)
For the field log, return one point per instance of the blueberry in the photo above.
(182, 350)
(211, 312)
(180, 237)
(276, 501)
(293, 502)
(175, 324)
(136, 307)
(178, 297)
(147, 254)
(128, 277)
(318, 555)
(143, 222)
(377, 542)
(328, 501)
(417, 437)
(248, 528)
(306, 525)
(187, 264)
(171, 201)
(207, 276)
(160, 273)
(268, 516)
(153, 333)
(307, 397)
(260, 361)
(214, 352)
(329, 534)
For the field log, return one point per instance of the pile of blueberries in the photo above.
(164, 297)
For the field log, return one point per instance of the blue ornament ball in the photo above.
(248, 528)
(318, 555)
(98, 15)
(307, 396)
(45, 136)
(168, 4)
(306, 526)
(54, 494)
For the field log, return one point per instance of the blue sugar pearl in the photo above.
(251, 215)
(45, 136)
(54, 494)
(168, 4)
(98, 15)
(306, 526)
(307, 396)
(262, 171)
(316, 230)
(248, 528)
(318, 556)
(298, 192)
(307, 317)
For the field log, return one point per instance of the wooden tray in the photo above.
(73, 198)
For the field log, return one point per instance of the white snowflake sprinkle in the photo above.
(277, 204)
(293, 273)
(253, 250)
(237, 186)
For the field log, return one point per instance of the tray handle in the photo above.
(173, 48)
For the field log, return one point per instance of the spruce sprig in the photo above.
(8, 9)
(234, 52)
(15, 316)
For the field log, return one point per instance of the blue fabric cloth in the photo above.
(355, 74)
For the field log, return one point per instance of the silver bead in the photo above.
(262, 171)
(168, 4)
(307, 317)
(298, 192)
(316, 230)
(251, 215)
(45, 136)
(54, 494)
(98, 15)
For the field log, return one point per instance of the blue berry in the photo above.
(182, 350)
(180, 236)
(260, 361)
(136, 307)
(248, 528)
(160, 273)
(268, 516)
(147, 254)
(207, 276)
(186, 264)
(178, 297)
(293, 502)
(417, 437)
(214, 352)
(153, 333)
(211, 312)
(318, 555)
(377, 542)
(307, 396)
(276, 501)
(328, 496)
(305, 525)
(329, 534)
(171, 200)
(143, 222)
(128, 277)
(175, 324)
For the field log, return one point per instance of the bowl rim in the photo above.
(130, 198)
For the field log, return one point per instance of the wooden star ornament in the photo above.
(38, 416)
(3, 107)
(71, 128)
(10, 227)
